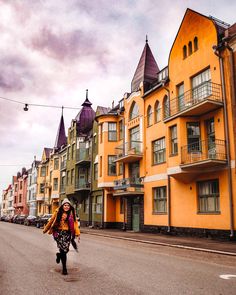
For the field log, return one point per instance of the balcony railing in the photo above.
(83, 154)
(130, 151)
(204, 151)
(190, 102)
(82, 185)
(124, 183)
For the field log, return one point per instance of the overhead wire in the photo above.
(39, 105)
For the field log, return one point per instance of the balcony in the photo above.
(82, 185)
(129, 152)
(203, 155)
(203, 99)
(129, 186)
(83, 155)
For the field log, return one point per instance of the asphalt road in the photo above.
(107, 266)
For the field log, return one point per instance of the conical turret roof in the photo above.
(61, 134)
(146, 70)
(85, 117)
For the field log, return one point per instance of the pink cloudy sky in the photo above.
(52, 51)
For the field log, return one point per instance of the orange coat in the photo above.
(49, 226)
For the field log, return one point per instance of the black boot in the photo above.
(63, 261)
(58, 257)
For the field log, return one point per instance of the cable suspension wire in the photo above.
(6, 165)
(38, 105)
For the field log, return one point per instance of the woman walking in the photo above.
(64, 228)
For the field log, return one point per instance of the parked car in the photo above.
(41, 221)
(20, 219)
(14, 218)
(30, 220)
(3, 217)
(8, 218)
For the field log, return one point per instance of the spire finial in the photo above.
(86, 93)
(62, 108)
(146, 38)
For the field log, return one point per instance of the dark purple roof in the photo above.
(85, 117)
(61, 135)
(102, 110)
(146, 70)
(47, 152)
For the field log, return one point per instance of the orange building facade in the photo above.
(166, 152)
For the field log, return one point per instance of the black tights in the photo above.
(63, 259)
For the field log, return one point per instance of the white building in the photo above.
(10, 207)
(32, 187)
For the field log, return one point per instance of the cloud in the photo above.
(67, 45)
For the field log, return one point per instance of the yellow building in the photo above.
(48, 176)
(54, 165)
(43, 196)
(166, 153)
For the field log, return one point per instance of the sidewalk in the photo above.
(191, 243)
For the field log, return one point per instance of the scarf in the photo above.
(71, 225)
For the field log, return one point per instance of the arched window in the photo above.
(157, 111)
(166, 103)
(149, 116)
(190, 48)
(184, 51)
(195, 41)
(134, 111)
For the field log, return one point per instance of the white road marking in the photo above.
(227, 277)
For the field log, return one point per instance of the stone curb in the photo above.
(162, 244)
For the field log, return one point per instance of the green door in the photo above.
(135, 217)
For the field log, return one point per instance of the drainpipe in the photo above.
(90, 217)
(168, 203)
(168, 179)
(231, 62)
(226, 127)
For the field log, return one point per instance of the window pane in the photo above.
(160, 200)
(208, 193)
(134, 112)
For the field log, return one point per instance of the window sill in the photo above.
(159, 213)
(156, 164)
(209, 213)
(173, 155)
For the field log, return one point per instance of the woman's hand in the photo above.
(79, 239)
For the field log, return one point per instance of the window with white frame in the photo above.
(180, 91)
(134, 111)
(166, 103)
(174, 140)
(121, 127)
(193, 137)
(111, 165)
(157, 111)
(159, 200)
(98, 204)
(159, 151)
(208, 196)
(112, 131)
(55, 184)
(201, 85)
(149, 116)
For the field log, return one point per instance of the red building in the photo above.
(20, 192)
